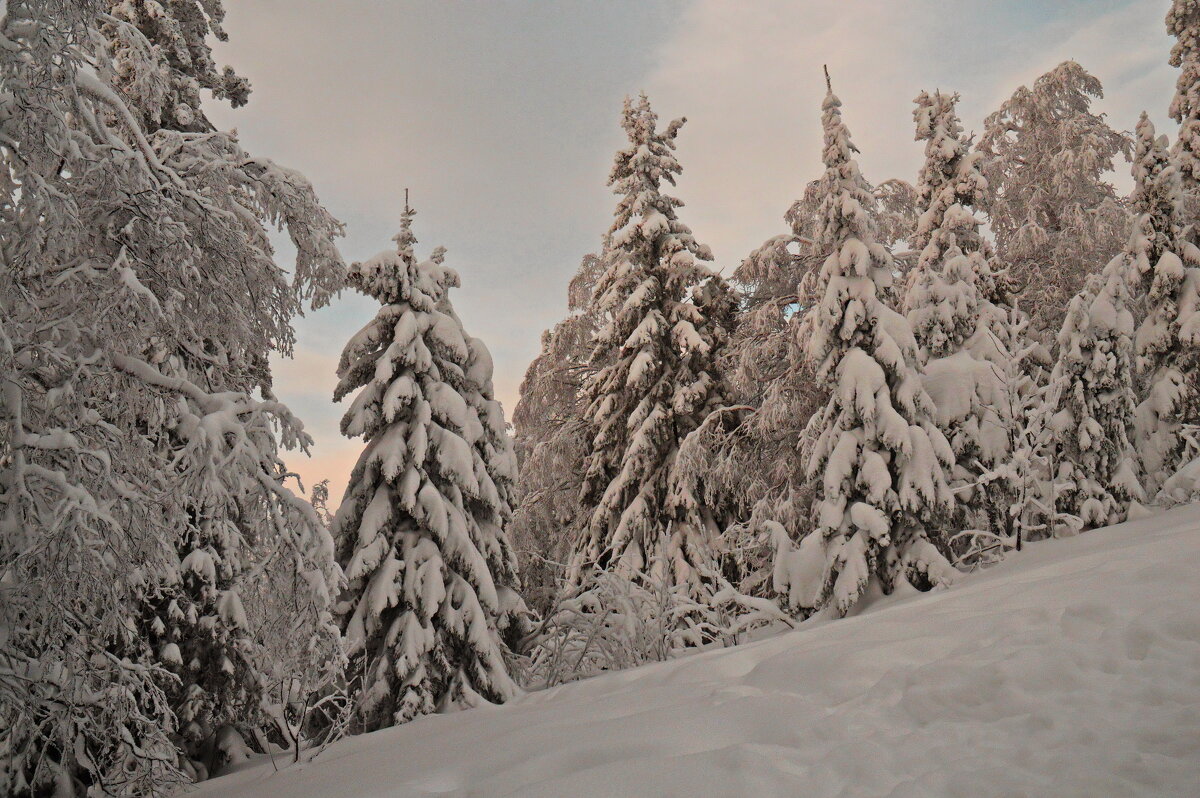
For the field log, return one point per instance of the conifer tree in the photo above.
(1097, 466)
(1163, 255)
(957, 306)
(946, 310)
(701, 507)
(1054, 216)
(656, 351)
(1183, 22)
(430, 606)
(878, 459)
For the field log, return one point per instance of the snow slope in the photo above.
(1073, 669)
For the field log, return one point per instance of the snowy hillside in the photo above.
(1073, 669)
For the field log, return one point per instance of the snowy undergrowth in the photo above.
(1072, 669)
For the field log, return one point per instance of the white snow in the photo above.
(1072, 669)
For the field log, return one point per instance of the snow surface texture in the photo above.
(1072, 669)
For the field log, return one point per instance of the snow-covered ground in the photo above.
(1073, 669)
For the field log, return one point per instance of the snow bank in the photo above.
(1073, 669)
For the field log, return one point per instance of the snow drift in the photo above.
(1073, 669)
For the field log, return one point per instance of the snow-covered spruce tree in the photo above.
(1183, 22)
(1096, 465)
(764, 361)
(431, 575)
(551, 442)
(141, 302)
(950, 188)
(1054, 216)
(1163, 255)
(656, 350)
(956, 304)
(878, 458)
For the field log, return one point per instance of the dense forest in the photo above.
(913, 379)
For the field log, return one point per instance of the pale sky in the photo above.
(501, 118)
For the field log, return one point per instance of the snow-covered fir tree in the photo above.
(657, 349)
(878, 459)
(1183, 22)
(945, 310)
(1054, 216)
(552, 442)
(956, 304)
(139, 467)
(1163, 255)
(701, 505)
(430, 608)
(1096, 465)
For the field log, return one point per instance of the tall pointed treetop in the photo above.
(656, 354)
(877, 458)
(430, 604)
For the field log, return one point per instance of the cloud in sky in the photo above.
(502, 117)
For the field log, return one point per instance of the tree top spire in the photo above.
(405, 238)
